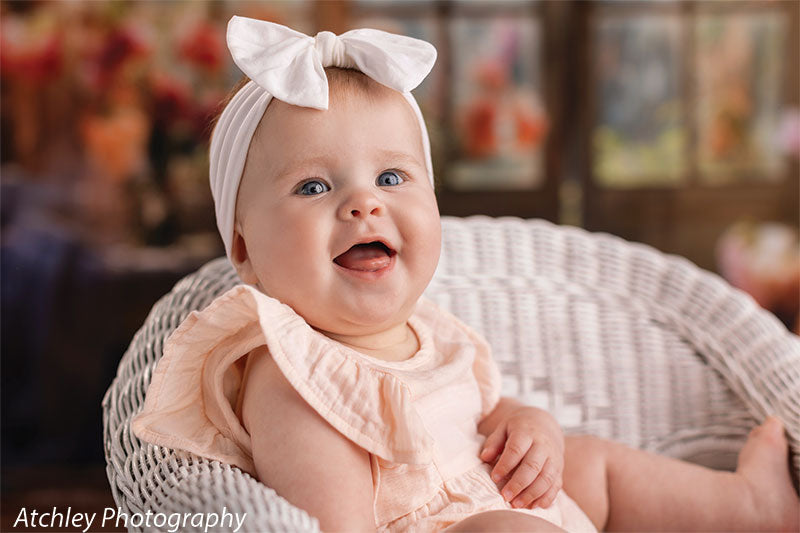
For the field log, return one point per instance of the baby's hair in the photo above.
(341, 82)
(349, 82)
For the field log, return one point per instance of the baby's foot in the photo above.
(764, 466)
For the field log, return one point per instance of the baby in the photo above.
(332, 380)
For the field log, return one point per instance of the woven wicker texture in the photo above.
(614, 338)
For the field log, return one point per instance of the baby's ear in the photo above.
(241, 259)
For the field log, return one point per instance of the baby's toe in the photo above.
(770, 433)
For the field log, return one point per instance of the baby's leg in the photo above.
(621, 488)
(502, 521)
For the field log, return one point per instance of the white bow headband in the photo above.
(289, 65)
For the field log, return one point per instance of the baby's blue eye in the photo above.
(389, 178)
(313, 187)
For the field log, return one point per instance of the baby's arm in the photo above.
(532, 446)
(301, 456)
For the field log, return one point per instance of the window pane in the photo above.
(640, 137)
(739, 70)
(499, 122)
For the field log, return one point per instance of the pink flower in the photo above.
(33, 56)
(763, 259)
(203, 46)
(789, 132)
(120, 46)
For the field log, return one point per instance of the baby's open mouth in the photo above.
(367, 257)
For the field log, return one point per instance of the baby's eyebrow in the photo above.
(384, 155)
(400, 156)
(287, 169)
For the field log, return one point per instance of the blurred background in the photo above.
(673, 123)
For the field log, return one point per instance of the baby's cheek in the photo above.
(432, 235)
(428, 247)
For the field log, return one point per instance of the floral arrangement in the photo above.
(763, 259)
(126, 91)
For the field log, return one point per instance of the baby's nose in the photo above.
(361, 204)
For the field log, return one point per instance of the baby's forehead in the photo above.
(384, 107)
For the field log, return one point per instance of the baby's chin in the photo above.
(368, 320)
(342, 326)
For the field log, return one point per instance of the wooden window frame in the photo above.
(687, 218)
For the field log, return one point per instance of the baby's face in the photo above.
(336, 215)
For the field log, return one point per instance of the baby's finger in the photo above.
(526, 498)
(493, 444)
(524, 475)
(515, 448)
(548, 498)
(541, 484)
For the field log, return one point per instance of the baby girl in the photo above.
(327, 375)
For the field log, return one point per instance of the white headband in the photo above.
(289, 65)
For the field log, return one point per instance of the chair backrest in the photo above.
(614, 338)
(620, 340)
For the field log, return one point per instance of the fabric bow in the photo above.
(290, 65)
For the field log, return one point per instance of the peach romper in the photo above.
(417, 418)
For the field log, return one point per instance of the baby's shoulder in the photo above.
(265, 389)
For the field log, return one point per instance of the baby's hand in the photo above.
(531, 441)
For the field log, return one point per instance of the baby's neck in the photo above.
(396, 344)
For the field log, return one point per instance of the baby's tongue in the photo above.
(368, 257)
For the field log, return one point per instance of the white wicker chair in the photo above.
(614, 338)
